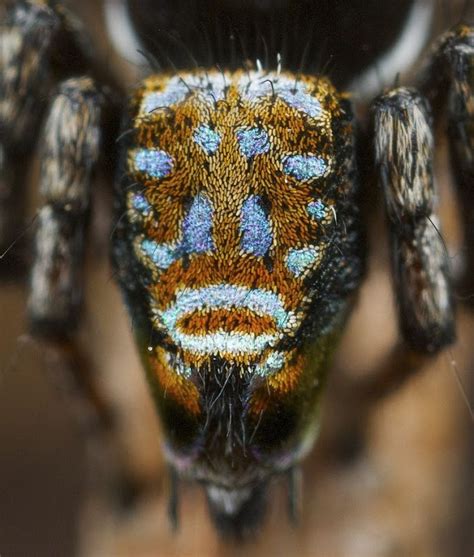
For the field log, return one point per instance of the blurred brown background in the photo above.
(408, 493)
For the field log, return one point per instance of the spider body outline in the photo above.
(159, 167)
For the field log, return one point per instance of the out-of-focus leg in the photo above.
(448, 81)
(26, 37)
(420, 264)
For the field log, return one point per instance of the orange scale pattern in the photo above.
(175, 386)
(237, 320)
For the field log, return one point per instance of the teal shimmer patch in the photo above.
(207, 138)
(255, 227)
(162, 255)
(153, 162)
(317, 209)
(304, 167)
(299, 260)
(197, 226)
(302, 101)
(141, 204)
(273, 364)
(253, 141)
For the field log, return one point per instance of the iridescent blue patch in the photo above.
(255, 227)
(273, 364)
(197, 226)
(227, 296)
(302, 101)
(253, 141)
(162, 255)
(299, 260)
(304, 167)
(171, 95)
(153, 162)
(207, 138)
(141, 204)
(317, 209)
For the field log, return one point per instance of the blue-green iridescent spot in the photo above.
(302, 101)
(255, 227)
(197, 226)
(207, 138)
(253, 141)
(228, 296)
(317, 209)
(274, 362)
(299, 260)
(162, 99)
(153, 162)
(162, 255)
(304, 167)
(141, 204)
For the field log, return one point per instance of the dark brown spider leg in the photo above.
(295, 493)
(31, 30)
(71, 143)
(420, 265)
(448, 81)
(461, 133)
(25, 39)
(173, 500)
(39, 45)
(403, 158)
(70, 151)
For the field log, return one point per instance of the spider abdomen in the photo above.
(241, 231)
